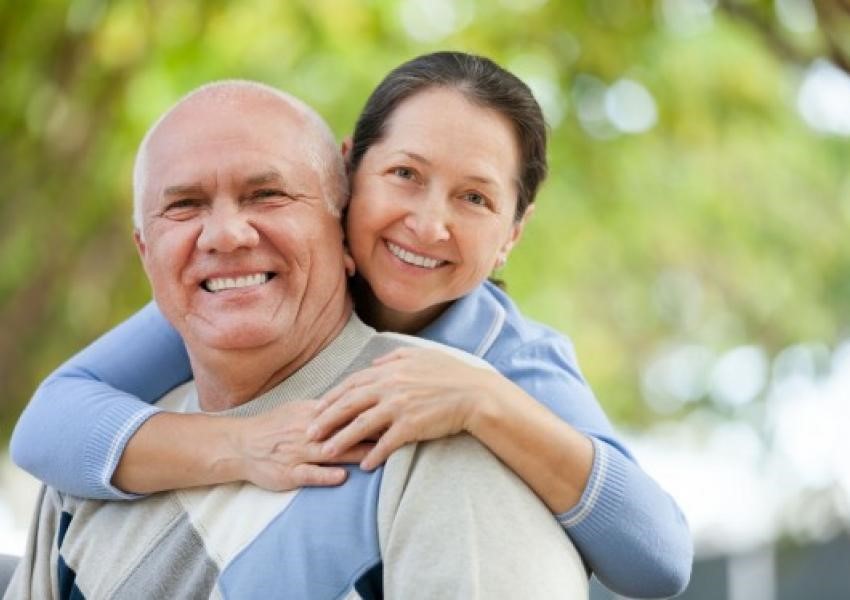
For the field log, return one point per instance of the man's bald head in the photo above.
(240, 96)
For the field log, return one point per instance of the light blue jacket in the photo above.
(629, 531)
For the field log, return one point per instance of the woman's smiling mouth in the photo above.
(410, 258)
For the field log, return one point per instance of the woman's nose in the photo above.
(429, 221)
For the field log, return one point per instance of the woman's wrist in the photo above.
(226, 456)
(552, 457)
(485, 404)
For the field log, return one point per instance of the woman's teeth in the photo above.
(413, 259)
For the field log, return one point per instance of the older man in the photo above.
(240, 237)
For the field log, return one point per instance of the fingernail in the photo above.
(312, 430)
(328, 449)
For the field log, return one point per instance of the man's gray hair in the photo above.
(323, 153)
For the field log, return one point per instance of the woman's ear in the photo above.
(514, 236)
(348, 261)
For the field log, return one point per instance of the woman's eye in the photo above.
(475, 198)
(403, 172)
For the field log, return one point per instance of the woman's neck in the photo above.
(374, 313)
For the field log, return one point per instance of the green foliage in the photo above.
(721, 225)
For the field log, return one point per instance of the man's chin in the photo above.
(233, 336)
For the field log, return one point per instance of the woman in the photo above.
(445, 162)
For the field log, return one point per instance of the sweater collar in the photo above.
(312, 379)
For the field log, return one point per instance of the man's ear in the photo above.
(140, 244)
(142, 247)
(345, 147)
(514, 237)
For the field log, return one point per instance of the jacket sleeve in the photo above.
(629, 531)
(76, 426)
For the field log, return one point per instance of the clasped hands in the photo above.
(408, 395)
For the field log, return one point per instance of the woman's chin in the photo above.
(405, 302)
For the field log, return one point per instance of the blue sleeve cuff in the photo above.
(105, 446)
(629, 532)
(603, 495)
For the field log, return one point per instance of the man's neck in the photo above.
(227, 379)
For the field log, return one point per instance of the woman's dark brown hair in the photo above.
(481, 81)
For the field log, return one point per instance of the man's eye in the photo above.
(184, 203)
(266, 193)
(182, 208)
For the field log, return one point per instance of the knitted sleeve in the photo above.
(629, 531)
(75, 428)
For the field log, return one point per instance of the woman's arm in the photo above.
(90, 429)
(414, 394)
(271, 450)
(630, 532)
(74, 430)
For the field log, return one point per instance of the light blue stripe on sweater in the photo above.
(317, 548)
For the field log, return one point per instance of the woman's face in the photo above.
(433, 203)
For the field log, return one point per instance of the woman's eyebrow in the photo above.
(482, 179)
(415, 156)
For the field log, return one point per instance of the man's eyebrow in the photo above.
(183, 190)
(264, 178)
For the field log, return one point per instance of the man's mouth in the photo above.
(220, 284)
(417, 260)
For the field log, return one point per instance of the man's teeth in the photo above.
(217, 284)
(413, 259)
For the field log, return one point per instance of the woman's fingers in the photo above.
(306, 475)
(339, 413)
(366, 425)
(355, 380)
(389, 442)
(353, 455)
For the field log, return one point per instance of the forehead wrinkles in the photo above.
(237, 145)
(301, 135)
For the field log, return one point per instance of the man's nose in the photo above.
(227, 229)
(430, 219)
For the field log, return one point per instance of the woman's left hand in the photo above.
(408, 395)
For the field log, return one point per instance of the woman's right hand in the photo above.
(273, 450)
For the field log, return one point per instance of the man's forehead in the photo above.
(248, 147)
(248, 127)
(188, 182)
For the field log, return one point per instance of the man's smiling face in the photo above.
(238, 241)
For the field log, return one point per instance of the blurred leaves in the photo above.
(721, 226)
